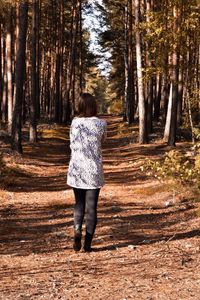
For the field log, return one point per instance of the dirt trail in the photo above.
(147, 243)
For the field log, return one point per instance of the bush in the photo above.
(176, 165)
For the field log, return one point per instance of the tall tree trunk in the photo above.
(52, 85)
(171, 126)
(80, 49)
(150, 82)
(16, 34)
(62, 81)
(125, 63)
(126, 96)
(131, 92)
(1, 71)
(181, 68)
(72, 55)
(165, 92)
(20, 70)
(168, 115)
(58, 97)
(143, 138)
(9, 70)
(5, 86)
(38, 59)
(180, 98)
(157, 97)
(129, 104)
(33, 98)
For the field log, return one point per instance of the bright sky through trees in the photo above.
(92, 23)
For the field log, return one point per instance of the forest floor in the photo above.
(147, 242)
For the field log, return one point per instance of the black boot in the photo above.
(88, 241)
(77, 240)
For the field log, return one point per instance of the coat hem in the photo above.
(85, 188)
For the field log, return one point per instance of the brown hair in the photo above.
(87, 106)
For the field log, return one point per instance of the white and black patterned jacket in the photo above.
(85, 167)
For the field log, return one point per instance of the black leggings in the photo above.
(86, 200)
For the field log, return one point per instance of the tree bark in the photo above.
(72, 56)
(20, 70)
(180, 99)
(4, 83)
(81, 49)
(168, 116)
(174, 85)
(150, 82)
(143, 138)
(1, 72)
(58, 96)
(131, 92)
(129, 95)
(126, 83)
(157, 97)
(9, 70)
(33, 98)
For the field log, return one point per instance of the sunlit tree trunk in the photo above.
(141, 99)
(180, 99)
(4, 83)
(1, 71)
(168, 115)
(9, 69)
(157, 97)
(171, 123)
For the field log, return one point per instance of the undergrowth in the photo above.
(184, 168)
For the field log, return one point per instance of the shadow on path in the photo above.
(34, 229)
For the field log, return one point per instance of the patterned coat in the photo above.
(85, 167)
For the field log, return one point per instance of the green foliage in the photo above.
(176, 165)
(159, 38)
(112, 39)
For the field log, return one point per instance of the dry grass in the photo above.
(160, 188)
(60, 133)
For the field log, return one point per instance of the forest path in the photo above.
(147, 238)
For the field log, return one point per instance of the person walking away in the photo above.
(85, 172)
